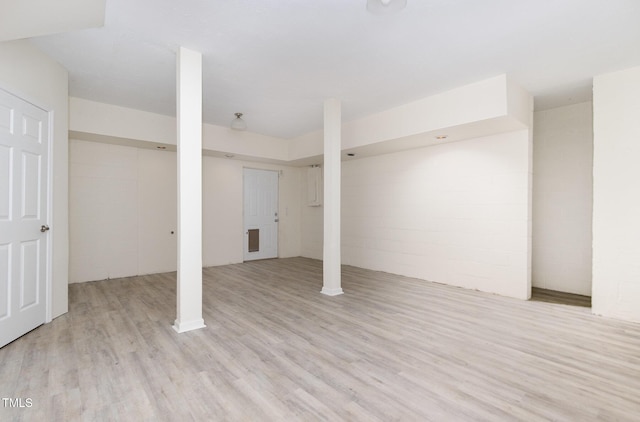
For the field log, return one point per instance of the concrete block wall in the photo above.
(122, 209)
(616, 195)
(456, 213)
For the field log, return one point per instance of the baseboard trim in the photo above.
(331, 292)
(183, 327)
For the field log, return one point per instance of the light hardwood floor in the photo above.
(275, 349)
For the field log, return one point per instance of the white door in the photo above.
(24, 159)
(260, 214)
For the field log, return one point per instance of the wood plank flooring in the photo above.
(390, 349)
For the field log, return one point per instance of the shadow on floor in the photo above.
(561, 298)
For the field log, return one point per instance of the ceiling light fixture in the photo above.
(238, 123)
(383, 7)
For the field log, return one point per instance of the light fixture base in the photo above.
(238, 123)
(385, 7)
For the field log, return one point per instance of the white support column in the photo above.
(331, 249)
(189, 111)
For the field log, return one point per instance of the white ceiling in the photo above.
(28, 18)
(277, 60)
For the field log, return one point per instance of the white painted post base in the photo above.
(183, 327)
(331, 292)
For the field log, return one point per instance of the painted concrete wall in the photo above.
(30, 74)
(123, 210)
(311, 225)
(456, 213)
(157, 210)
(563, 198)
(616, 195)
(223, 209)
(103, 211)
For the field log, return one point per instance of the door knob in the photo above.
(44, 228)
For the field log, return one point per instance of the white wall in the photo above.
(616, 195)
(563, 198)
(456, 213)
(493, 105)
(123, 210)
(223, 209)
(90, 118)
(103, 211)
(30, 74)
(311, 223)
(157, 211)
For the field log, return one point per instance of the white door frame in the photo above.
(49, 241)
(49, 259)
